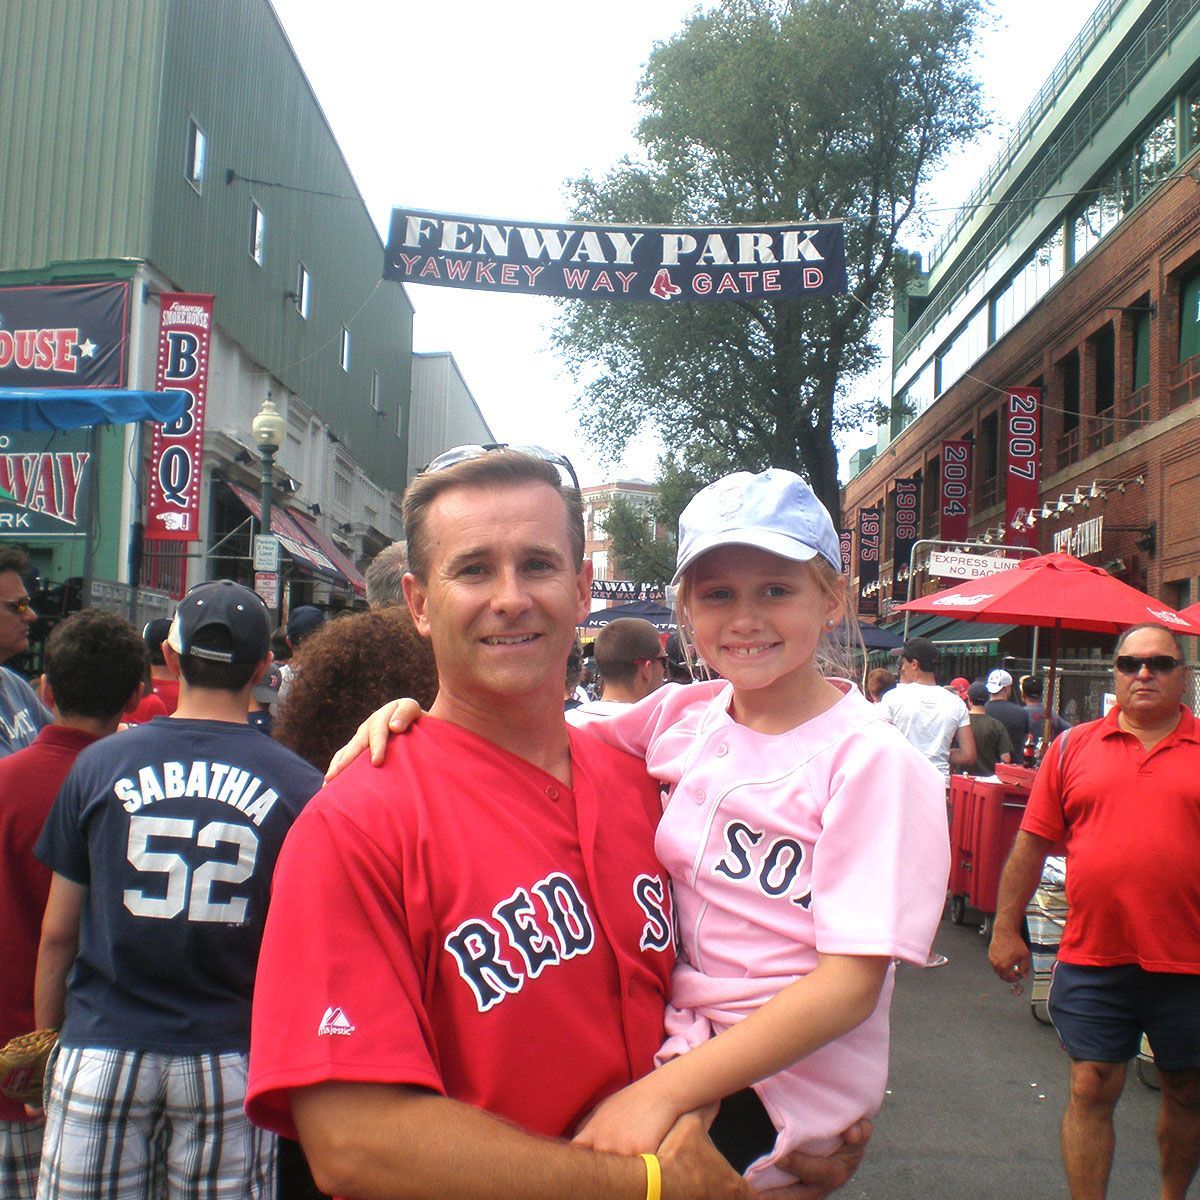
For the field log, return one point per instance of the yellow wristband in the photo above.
(653, 1177)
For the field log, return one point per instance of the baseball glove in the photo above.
(23, 1065)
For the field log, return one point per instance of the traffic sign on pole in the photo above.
(266, 552)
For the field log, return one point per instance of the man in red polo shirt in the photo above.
(1124, 794)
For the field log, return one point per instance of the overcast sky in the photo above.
(487, 109)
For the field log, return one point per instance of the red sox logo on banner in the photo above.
(185, 333)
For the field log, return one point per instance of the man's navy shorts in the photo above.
(1100, 1014)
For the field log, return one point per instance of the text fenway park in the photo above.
(628, 262)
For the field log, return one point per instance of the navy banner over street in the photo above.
(618, 262)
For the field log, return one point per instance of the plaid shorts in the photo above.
(130, 1125)
(20, 1152)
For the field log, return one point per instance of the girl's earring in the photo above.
(830, 623)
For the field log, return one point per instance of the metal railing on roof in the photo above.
(1112, 91)
(1096, 25)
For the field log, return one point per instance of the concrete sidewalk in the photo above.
(977, 1092)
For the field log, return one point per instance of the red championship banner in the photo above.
(955, 504)
(870, 539)
(184, 335)
(1023, 443)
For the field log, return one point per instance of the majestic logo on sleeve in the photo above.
(335, 1023)
(772, 867)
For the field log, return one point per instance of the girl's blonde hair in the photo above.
(835, 654)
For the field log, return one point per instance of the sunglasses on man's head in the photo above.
(463, 453)
(18, 607)
(1156, 664)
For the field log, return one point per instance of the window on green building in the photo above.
(1141, 351)
(1069, 368)
(1192, 117)
(1154, 156)
(197, 152)
(258, 234)
(1189, 318)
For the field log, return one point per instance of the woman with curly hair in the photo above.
(345, 671)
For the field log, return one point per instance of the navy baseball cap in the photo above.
(303, 620)
(223, 622)
(774, 510)
(266, 690)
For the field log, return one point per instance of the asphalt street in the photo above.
(977, 1091)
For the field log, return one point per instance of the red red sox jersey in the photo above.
(460, 920)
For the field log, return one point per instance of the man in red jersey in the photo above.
(1122, 793)
(94, 667)
(479, 930)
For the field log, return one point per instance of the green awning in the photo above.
(969, 637)
(922, 625)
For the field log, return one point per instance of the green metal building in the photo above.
(176, 146)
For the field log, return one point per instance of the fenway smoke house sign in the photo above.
(618, 262)
(184, 336)
(53, 336)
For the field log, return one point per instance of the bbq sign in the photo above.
(184, 336)
(618, 262)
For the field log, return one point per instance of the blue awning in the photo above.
(41, 409)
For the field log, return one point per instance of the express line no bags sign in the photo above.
(617, 262)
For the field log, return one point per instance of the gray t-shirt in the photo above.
(22, 714)
(929, 716)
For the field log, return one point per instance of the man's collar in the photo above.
(1185, 731)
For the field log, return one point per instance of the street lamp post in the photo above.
(268, 431)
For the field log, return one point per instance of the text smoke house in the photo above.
(617, 262)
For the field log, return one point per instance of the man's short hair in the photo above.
(1151, 625)
(621, 645)
(154, 635)
(1031, 687)
(385, 576)
(921, 651)
(221, 632)
(496, 468)
(13, 558)
(94, 661)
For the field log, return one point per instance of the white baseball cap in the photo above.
(774, 510)
(998, 680)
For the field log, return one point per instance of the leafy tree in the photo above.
(637, 554)
(771, 111)
(641, 553)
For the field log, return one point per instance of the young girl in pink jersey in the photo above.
(805, 837)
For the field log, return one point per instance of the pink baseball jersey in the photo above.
(460, 920)
(828, 839)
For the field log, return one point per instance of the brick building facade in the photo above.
(1109, 330)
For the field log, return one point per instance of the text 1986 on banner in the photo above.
(618, 262)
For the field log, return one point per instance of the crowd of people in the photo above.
(517, 940)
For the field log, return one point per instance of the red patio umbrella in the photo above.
(1192, 612)
(1058, 592)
